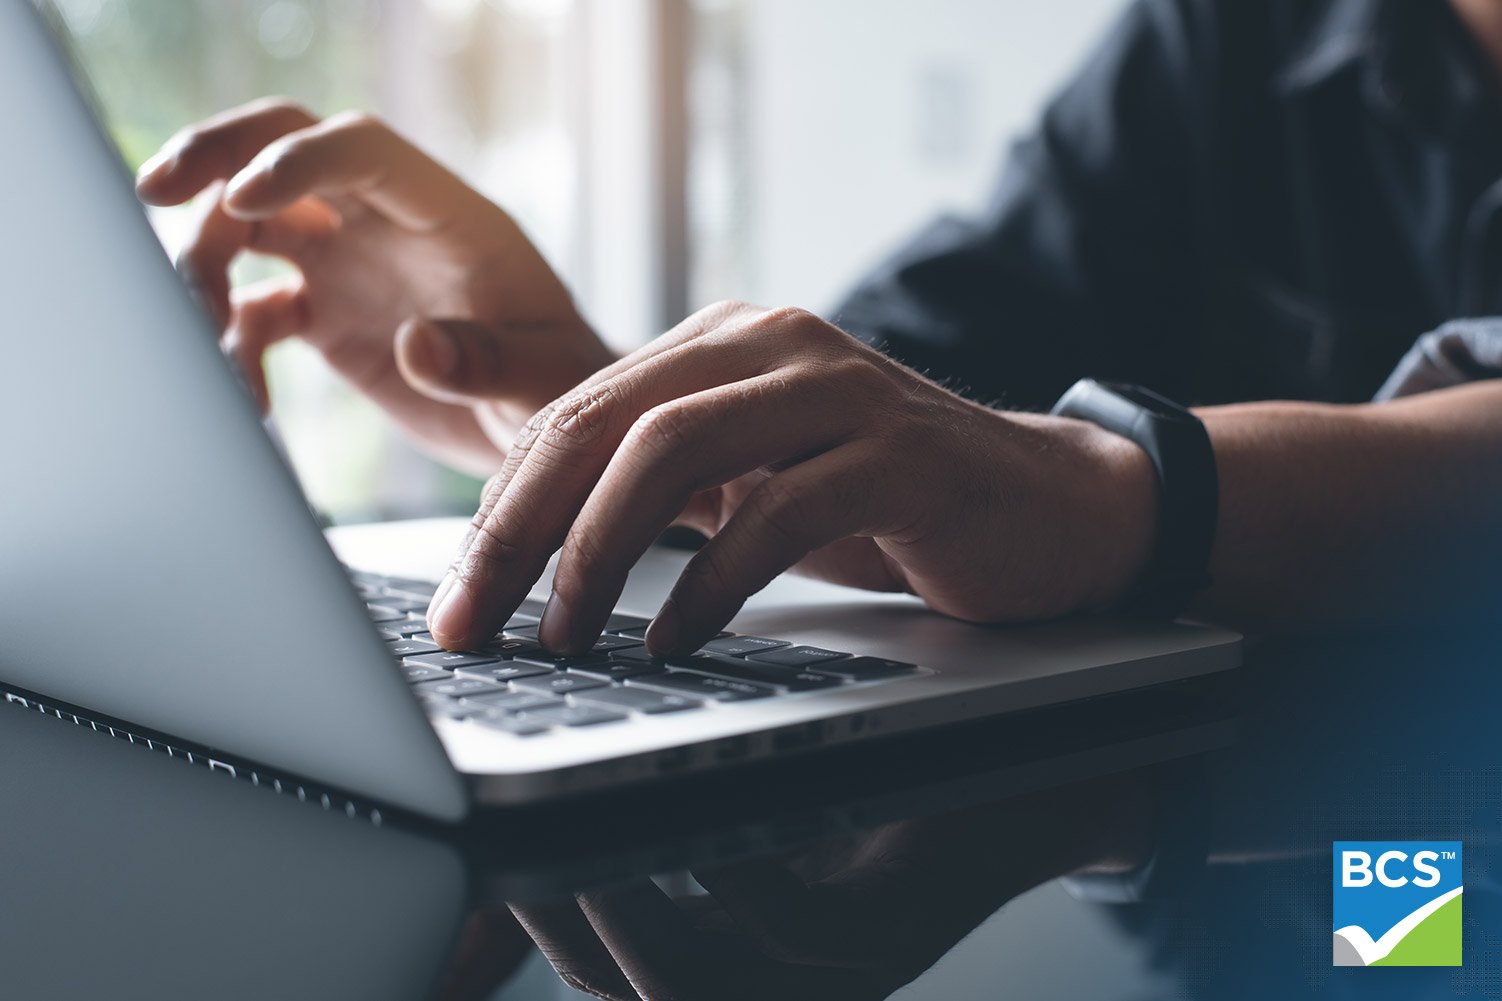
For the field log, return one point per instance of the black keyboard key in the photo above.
(634, 653)
(523, 632)
(410, 647)
(864, 668)
(508, 670)
(637, 700)
(404, 627)
(615, 670)
(449, 708)
(510, 646)
(570, 716)
(607, 643)
(415, 673)
(741, 646)
(761, 674)
(683, 682)
(506, 700)
(515, 725)
(411, 606)
(556, 684)
(452, 660)
(458, 687)
(561, 660)
(627, 624)
(639, 633)
(408, 585)
(384, 613)
(797, 656)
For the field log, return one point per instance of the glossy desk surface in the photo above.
(128, 874)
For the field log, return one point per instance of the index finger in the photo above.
(216, 149)
(357, 155)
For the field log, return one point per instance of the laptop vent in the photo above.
(277, 783)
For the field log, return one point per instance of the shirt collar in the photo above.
(1413, 59)
(1343, 34)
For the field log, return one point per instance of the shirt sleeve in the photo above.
(1458, 352)
(1083, 262)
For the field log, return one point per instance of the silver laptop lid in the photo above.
(157, 560)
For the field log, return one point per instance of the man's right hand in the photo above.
(417, 289)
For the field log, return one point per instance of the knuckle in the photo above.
(581, 419)
(281, 106)
(728, 307)
(791, 316)
(665, 429)
(767, 323)
(781, 508)
(526, 437)
(712, 317)
(494, 487)
(793, 320)
(356, 120)
(490, 550)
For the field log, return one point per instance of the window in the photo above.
(482, 85)
(662, 153)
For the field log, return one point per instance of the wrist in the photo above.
(1118, 515)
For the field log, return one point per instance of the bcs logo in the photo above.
(1397, 903)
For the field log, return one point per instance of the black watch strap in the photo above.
(1189, 487)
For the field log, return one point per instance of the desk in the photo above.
(130, 875)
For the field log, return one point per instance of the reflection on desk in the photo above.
(133, 875)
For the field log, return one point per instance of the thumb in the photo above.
(452, 361)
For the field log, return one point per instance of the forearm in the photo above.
(1343, 515)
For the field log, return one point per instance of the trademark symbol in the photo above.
(1447, 855)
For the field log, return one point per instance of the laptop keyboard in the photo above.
(513, 685)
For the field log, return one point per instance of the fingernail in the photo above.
(663, 633)
(451, 613)
(443, 589)
(245, 179)
(552, 631)
(163, 160)
(439, 352)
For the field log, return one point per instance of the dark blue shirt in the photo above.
(1232, 200)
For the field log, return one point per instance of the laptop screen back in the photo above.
(157, 561)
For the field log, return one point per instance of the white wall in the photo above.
(870, 116)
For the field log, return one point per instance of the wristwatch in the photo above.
(1189, 489)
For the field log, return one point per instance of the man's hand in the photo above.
(792, 444)
(422, 293)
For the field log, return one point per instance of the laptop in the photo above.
(162, 577)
